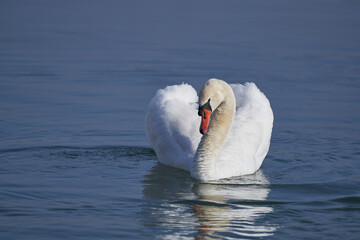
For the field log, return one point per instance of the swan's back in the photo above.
(172, 125)
(249, 138)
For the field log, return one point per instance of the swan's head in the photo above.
(212, 94)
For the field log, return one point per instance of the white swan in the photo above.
(235, 141)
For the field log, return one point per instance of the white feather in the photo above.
(172, 125)
(248, 141)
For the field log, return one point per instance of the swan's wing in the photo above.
(172, 125)
(249, 138)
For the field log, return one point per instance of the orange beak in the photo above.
(205, 120)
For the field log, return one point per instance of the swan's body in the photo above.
(237, 139)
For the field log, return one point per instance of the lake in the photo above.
(75, 81)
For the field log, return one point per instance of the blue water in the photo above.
(75, 81)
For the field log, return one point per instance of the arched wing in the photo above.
(249, 138)
(172, 125)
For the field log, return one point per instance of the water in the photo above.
(75, 81)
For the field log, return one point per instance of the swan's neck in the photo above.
(212, 142)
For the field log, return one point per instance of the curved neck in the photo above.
(212, 142)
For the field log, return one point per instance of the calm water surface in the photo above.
(75, 81)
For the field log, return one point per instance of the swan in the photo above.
(235, 128)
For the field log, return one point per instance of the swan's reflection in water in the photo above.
(179, 207)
